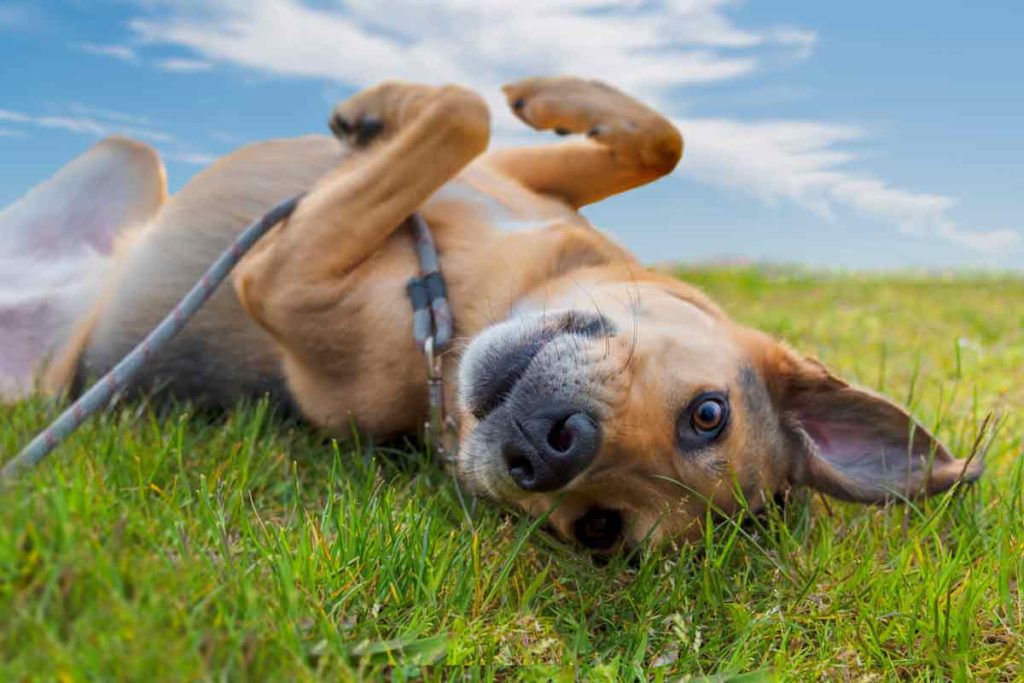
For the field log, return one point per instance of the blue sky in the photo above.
(865, 135)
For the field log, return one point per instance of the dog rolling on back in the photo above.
(618, 401)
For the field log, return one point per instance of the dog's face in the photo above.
(624, 409)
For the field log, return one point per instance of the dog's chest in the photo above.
(489, 199)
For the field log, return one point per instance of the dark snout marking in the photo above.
(760, 418)
(499, 379)
(592, 325)
(756, 400)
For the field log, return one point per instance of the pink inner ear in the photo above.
(838, 443)
(849, 446)
(54, 249)
(24, 328)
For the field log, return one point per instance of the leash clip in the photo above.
(438, 431)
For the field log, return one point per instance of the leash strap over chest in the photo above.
(432, 330)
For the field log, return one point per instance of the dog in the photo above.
(619, 402)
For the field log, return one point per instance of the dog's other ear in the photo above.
(55, 249)
(851, 443)
(116, 184)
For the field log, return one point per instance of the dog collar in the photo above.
(432, 330)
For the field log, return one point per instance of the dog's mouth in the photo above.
(500, 358)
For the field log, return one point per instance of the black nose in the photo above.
(553, 445)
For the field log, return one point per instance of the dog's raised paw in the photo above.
(360, 132)
(381, 110)
(566, 104)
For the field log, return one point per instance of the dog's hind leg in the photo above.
(294, 281)
(629, 143)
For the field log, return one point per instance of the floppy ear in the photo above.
(854, 444)
(55, 246)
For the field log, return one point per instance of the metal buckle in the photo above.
(438, 431)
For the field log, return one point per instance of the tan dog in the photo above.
(621, 401)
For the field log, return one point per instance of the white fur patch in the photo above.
(495, 213)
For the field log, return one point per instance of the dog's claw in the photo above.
(339, 126)
(562, 131)
(363, 130)
(367, 130)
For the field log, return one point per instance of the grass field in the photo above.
(249, 548)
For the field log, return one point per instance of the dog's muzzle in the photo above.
(525, 384)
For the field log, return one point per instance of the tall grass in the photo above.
(181, 547)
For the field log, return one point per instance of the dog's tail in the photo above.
(57, 246)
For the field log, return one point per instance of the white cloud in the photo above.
(120, 52)
(988, 241)
(801, 161)
(182, 65)
(13, 116)
(649, 47)
(109, 114)
(192, 158)
(96, 122)
(84, 124)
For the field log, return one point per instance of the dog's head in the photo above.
(625, 407)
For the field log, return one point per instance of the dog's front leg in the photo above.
(294, 281)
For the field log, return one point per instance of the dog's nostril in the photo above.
(561, 436)
(547, 449)
(520, 468)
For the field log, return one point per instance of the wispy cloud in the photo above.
(119, 52)
(109, 114)
(183, 65)
(803, 162)
(82, 124)
(96, 122)
(191, 158)
(646, 45)
(658, 49)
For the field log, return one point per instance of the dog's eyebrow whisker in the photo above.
(634, 339)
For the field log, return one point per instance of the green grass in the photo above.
(180, 547)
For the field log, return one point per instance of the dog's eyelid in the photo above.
(708, 391)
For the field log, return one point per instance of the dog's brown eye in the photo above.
(708, 415)
(703, 421)
(599, 528)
